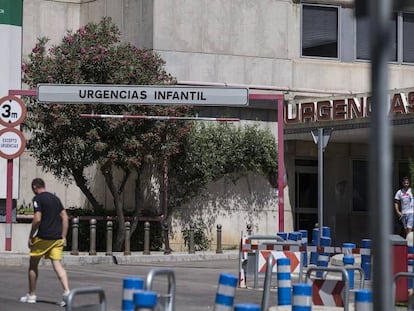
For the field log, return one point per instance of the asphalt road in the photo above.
(196, 284)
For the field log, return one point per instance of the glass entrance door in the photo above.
(306, 193)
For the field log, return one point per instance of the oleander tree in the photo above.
(67, 146)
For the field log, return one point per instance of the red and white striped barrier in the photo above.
(296, 248)
(328, 293)
(293, 256)
(144, 117)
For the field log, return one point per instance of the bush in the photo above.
(201, 241)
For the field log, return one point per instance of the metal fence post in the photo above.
(127, 249)
(164, 226)
(191, 240)
(92, 237)
(146, 238)
(75, 236)
(108, 238)
(219, 249)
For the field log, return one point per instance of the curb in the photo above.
(18, 259)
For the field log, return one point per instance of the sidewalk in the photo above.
(22, 259)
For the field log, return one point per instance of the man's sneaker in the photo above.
(64, 301)
(28, 298)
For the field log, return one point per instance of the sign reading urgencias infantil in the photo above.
(10, 74)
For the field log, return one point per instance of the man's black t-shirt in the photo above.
(51, 224)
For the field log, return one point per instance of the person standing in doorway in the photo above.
(47, 238)
(404, 205)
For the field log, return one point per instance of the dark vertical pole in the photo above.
(9, 205)
(75, 236)
(109, 235)
(320, 184)
(146, 238)
(281, 166)
(380, 156)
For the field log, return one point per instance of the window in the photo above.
(401, 23)
(320, 31)
(408, 43)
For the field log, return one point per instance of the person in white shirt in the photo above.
(404, 205)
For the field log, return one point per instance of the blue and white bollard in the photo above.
(349, 261)
(284, 283)
(326, 231)
(246, 307)
(302, 297)
(294, 236)
(304, 242)
(145, 300)
(130, 286)
(363, 300)
(225, 292)
(366, 259)
(283, 235)
(314, 255)
(323, 257)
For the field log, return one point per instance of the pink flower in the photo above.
(49, 78)
(69, 39)
(25, 68)
(83, 51)
(36, 48)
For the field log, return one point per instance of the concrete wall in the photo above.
(20, 234)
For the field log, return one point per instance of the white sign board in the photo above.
(143, 94)
(12, 143)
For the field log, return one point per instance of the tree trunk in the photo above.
(106, 169)
(81, 183)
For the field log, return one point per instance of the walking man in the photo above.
(404, 205)
(47, 238)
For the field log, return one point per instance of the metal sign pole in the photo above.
(380, 156)
(320, 184)
(9, 205)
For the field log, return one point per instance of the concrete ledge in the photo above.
(20, 259)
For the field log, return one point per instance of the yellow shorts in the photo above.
(51, 249)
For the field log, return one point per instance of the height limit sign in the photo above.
(12, 113)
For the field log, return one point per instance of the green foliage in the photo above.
(201, 241)
(212, 151)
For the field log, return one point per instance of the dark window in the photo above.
(359, 186)
(319, 31)
(363, 43)
(408, 42)
(363, 36)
